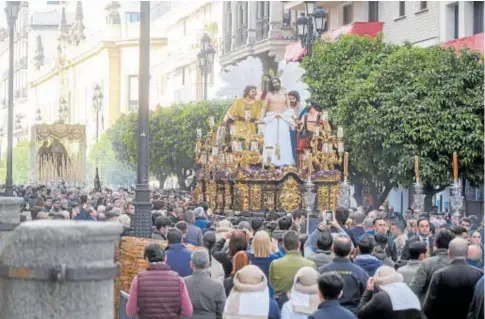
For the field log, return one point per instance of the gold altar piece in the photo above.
(58, 153)
(290, 195)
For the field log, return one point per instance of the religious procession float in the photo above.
(271, 152)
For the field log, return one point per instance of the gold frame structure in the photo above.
(236, 175)
(48, 168)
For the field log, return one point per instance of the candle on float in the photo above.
(232, 130)
(215, 151)
(416, 168)
(325, 148)
(455, 166)
(340, 147)
(199, 133)
(260, 128)
(340, 132)
(317, 130)
(346, 164)
(211, 121)
(324, 116)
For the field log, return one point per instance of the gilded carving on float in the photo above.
(334, 196)
(255, 198)
(227, 196)
(211, 190)
(323, 198)
(290, 195)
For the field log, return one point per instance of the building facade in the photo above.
(176, 77)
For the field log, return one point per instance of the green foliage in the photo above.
(396, 102)
(111, 170)
(21, 164)
(172, 136)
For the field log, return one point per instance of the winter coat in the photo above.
(451, 291)
(378, 305)
(369, 263)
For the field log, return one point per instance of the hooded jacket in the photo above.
(368, 262)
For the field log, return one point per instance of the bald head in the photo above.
(342, 246)
(474, 253)
(458, 248)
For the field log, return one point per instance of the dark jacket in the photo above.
(158, 235)
(476, 307)
(331, 309)
(405, 251)
(378, 305)
(358, 232)
(322, 257)
(263, 264)
(355, 281)
(451, 291)
(178, 258)
(422, 278)
(206, 294)
(228, 284)
(369, 263)
(155, 302)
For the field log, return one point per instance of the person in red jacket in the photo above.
(158, 292)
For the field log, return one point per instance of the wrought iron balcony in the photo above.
(262, 29)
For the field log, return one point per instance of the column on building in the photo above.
(252, 19)
(275, 19)
(234, 6)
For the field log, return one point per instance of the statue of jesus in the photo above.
(278, 119)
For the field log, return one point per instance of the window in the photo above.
(477, 17)
(132, 92)
(183, 76)
(402, 8)
(287, 19)
(132, 17)
(456, 21)
(373, 11)
(347, 14)
(423, 5)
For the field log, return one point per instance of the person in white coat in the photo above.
(303, 299)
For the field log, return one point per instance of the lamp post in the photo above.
(205, 59)
(12, 11)
(142, 221)
(97, 106)
(315, 19)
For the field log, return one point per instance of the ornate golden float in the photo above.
(58, 153)
(236, 174)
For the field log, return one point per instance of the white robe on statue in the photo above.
(277, 131)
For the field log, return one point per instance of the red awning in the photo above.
(357, 28)
(474, 42)
(294, 52)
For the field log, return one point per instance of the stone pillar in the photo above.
(234, 24)
(252, 17)
(32, 285)
(275, 19)
(9, 215)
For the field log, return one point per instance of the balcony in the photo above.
(262, 29)
(474, 43)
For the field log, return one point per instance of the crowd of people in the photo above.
(362, 263)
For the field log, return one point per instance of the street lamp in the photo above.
(12, 12)
(97, 106)
(205, 59)
(314, 19)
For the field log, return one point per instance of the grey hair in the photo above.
(458, 248)
(359, 218)
(199, 212)
(200, 259)
(368, 223)
(244, 225)
(189, 216)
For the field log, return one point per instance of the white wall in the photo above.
(419, 27)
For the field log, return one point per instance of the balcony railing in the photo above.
(262, 29)
(241, 35)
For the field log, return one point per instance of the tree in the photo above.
(172, 137)
(21, 164)
(396, 102)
